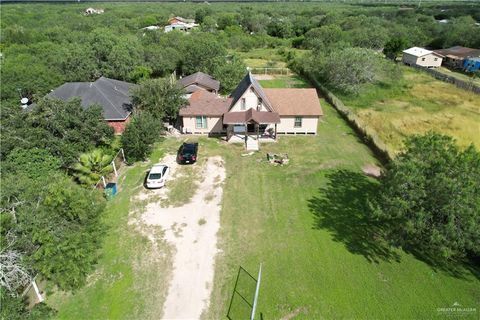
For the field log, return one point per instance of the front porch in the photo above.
(251, 134)
(251, 127)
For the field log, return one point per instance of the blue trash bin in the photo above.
(111, 190)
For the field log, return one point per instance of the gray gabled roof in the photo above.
(112, 95)
(202, 79)
(243, 86)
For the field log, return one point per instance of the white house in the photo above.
(252, 113)
(422, 57)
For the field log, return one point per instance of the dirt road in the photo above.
(192, 230)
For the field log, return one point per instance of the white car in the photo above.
(157, 176)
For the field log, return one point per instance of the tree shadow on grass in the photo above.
(343, 209)
(461, 268)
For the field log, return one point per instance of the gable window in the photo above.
(298, 122)
(259, 103)
(435, 59)
(243, 104)
(201, 122)
(423, 59)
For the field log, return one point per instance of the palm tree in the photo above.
(92, 166)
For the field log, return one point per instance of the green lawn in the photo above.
(285, 82)
(308, 224)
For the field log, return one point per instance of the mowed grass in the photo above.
(308, 224)
(285, 82)
(415, 105)
(266, 57)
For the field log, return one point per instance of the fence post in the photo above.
(37, 292)
(123, 155)
(104, 182)
(114, 168)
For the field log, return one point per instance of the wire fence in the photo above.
(244, 297)
(118, 163)
(450, 79)
(272, 71)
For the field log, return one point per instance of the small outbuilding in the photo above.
(471, 64)
(455, 56)
(422, 57)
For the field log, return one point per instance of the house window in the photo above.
(201, 122)
(298, 122)
(259, 103)
(435, 59)
(423, 59)
(243, 105)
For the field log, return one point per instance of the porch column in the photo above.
(258, 130)
(275, 131)
(246, 133)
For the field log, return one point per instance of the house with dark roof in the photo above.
(199, 81)
(454, 57)
(252, 113)
(112, 95)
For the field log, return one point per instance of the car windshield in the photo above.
(188, 149)
(155, 176)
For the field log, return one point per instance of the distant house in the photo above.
(471, 64)
(180, 27)
(180, 20)
(150, 28)
(199, 81)
(455, 56)
(90, 11)
(421, 57)
(112, 95)
(252, 113)
(180, 24)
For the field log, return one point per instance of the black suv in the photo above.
(187, 153)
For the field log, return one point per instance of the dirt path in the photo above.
(192, 230)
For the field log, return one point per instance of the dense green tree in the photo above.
(226, 19)
(23, 76)
(64, 129)
(230, 73)
(140, 135)
(280, 28)
(66, 230)
(162, 61)
(323, 38)
(430, 197)
(209, 24)
(202, 13)
(33, 163)
(161, 98)
(78, 63)
(13, 308)
(140, 73)
(201, 54)
(123, 58)
(394, 47)
(54, 223)
(347, 69)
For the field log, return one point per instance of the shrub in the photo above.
(139, 136)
